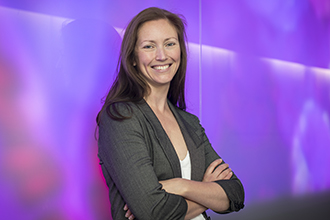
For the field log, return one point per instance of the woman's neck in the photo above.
(157, 100)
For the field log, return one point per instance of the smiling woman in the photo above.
(155, 156)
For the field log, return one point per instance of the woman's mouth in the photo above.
(161, 67)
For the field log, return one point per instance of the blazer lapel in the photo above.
(197, 155)
(162, 137)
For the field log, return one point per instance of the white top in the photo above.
(186, 174)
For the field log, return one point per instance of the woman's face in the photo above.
(157, 52)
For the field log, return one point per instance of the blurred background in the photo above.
(258, 78)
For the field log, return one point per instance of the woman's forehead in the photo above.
(154, 29)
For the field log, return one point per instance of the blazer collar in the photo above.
(196, 154)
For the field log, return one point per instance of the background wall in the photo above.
(257, 77)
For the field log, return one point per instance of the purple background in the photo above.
(258, 78)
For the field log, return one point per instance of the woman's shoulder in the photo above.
(120, 111)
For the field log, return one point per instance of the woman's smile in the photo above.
(161, 67)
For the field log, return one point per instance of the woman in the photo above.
(155, 157)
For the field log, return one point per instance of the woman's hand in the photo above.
(128, 214)
(214, 173)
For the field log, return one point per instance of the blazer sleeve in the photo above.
(125, 159)
(232, 187)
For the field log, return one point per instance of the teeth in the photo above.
(161, 67)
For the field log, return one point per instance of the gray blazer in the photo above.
(135, 154)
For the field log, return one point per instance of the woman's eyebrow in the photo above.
(152, 41)
(170, 38)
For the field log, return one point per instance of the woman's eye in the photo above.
(147, 47)
(170, 44)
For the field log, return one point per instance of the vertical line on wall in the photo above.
(200, 60)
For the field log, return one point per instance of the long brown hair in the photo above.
(129, 84)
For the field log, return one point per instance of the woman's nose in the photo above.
(160, 54)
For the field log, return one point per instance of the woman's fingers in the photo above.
(128, 213)
(220, 169)
(230, 174)
(217, 171)
(213, 165)
(225, 174)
